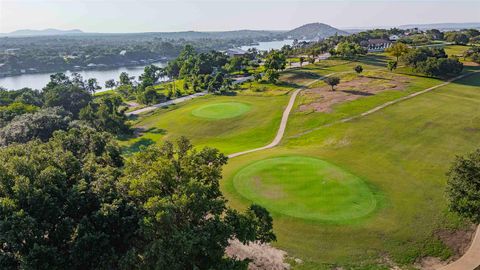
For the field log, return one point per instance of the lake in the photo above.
(39, 80)
(269, 45)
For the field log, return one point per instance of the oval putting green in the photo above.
(305, 187)
(222, 110)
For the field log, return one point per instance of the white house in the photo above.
(235, 52)
(393, 37)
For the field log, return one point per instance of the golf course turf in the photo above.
(221, 110)
(306, 188)
(355, 194)
(396, 151)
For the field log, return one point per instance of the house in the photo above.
(235, 52)
(12, 51)
(377, 45)
(393, 37)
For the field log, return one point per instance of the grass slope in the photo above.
(255, 122)
(404, 151)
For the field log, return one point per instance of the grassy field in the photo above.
(402, 154)
(304, 120)
(456, 50)
(229, 123)
(245, 120)
(356, 194)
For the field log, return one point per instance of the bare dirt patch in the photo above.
(322, 99)
(458, 241)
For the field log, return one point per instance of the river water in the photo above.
(39, 80)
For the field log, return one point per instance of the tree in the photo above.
(105, 115)
(38, 125)
(7, 113)
(473, 53)
(272, 75)
(440, 66)
(349, 49)
(358, 69)
(67, 211)
(150, 75)
(92, 85)
(110, 83)
(125, 79)
(332, 81)
(24, 95)
(458, 38)
(398, 49)
(463, 186)
(391, 65)
(72, 98)
(274, 62)
(311, 60)
(186, 223)
(150, 96)
(301, 59)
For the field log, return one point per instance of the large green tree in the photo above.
(398, 49)
(70, 203)
(36, 125)
(274, 62)
(59, 204)
(186, 223)
(463, 186)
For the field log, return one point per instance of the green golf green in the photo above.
(222, 110)
(305, 187)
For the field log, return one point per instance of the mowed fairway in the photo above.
(307, 188)
(401, 153)
(229, 123)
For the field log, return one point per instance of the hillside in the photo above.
(44, 32)
(314, 31)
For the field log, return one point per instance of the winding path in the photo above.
(283, 122)
(471, 259)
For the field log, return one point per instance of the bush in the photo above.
(440, 66)
(150, 96)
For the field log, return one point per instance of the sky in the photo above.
(122, 16)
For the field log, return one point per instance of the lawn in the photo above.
(400, 153)
(320, 191)
(305, 120)
(229, 123)
(456, 50)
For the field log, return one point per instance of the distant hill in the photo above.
(45, 32)
(309, 31)
(314, 31)
(442, 26)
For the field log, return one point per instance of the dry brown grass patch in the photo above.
(322, 99)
